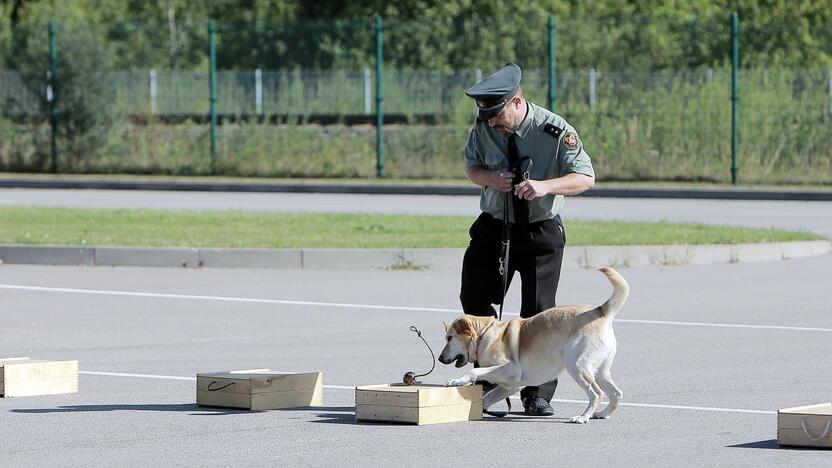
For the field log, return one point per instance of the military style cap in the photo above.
(493, 93)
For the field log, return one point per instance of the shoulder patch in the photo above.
(571, 141)
(553, 130)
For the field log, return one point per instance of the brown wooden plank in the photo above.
(262, 401)
(440, 396)
(32, 387)
(223, 384)
(397, 414)
(796, 437)
(405, 399)
(225, 400)
(259, 382)
(413, 396)
(31, 370)
(468, 411)
(282, 400)
(286, 382)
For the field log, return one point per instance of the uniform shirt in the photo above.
(553, 153)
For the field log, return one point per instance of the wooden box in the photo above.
(26, 377)
(805, 426)
(418, 404)
(260, 389)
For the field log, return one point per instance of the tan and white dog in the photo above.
(535, 350)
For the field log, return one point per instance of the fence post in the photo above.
(592, 89)
(153, 108)
(52, 93)
(258, 92)
(379, 97)
(830, 92)
(477, 75)
(553, 83)
(735, 65)
(368, 92)
(212, 82)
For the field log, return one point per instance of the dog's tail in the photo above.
(620, 290)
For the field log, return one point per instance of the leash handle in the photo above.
(220, 388)
(815, 439)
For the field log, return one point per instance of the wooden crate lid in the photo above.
(822, 409)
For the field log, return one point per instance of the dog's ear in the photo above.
(465, 326)
(447, 327)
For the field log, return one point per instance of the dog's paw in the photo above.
(600, 415)
(460, 382)
(578, 420)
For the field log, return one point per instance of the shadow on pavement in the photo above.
(201, 410)
(347, 417)
(760, 444)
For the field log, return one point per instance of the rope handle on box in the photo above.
(815, 439)
(218, 389)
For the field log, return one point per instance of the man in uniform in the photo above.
(526, 159)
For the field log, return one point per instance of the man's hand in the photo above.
(531, 189)
(501, 180)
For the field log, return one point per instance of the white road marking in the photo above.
(104, 292)
(556, 400)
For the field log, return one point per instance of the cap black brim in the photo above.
(486, 114)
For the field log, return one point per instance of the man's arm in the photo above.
(570, 184)
(499, 179)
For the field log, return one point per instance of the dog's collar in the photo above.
(473, 345)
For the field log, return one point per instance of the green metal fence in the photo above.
(302, 100)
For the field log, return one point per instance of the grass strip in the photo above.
(245, 229)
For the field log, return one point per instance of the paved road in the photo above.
(813, 216)
(707, 353)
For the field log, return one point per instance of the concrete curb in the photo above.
(283, 187)
(398, 259)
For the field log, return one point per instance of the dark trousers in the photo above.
(536, 253)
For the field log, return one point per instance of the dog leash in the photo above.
(504, 258)
(506, 241)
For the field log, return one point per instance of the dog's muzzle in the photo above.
(459, 358)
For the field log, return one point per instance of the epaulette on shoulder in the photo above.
(553, 130)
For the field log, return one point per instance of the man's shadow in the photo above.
(195, 409)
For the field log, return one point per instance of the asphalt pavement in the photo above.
(707, 353)
(706, 356)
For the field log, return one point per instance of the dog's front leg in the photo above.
(502, 374)
(497, 394)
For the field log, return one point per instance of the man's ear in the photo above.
(447, 327)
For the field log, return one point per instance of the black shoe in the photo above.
(537, 406)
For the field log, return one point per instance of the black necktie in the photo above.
(521, 207)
